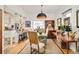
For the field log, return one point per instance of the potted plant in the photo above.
(62, 28)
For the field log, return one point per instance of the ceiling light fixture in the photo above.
(41, 15)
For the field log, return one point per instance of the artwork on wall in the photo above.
(77, 18)
(27, 23)
(59, 21)
(47, 22)
(67, 21)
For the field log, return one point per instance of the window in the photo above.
(38, 24)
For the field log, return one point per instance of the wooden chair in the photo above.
(35, 45)
(52, 34)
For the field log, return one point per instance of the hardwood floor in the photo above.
(24, 48)
(17, 48)
(51, 48)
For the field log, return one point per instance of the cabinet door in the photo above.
(0, 31)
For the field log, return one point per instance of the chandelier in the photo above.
(41, 15)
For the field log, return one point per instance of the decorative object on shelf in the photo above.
(68, 28)
(41, 15)
(61, 27)
(16, 26)
(72, 35)
(77, 18)
(27, 23)
(67, 24)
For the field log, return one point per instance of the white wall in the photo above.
(14, 18)
(1, 6)
(51, 16)
(19, 10)
(72, 20)
(73, 16)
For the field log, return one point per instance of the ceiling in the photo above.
(46, 8)
(31, 11)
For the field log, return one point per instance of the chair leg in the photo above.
(35, 51)
(31, 50)
(76, 46)
(38, 50)
(44, 49)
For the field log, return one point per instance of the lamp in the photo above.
(41, 15)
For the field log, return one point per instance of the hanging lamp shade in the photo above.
(41, 15)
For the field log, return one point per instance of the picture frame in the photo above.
(67, 21)
(27, 23)
(52, 22)
(77, 18)
(59, 21)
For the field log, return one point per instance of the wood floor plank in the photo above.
(17, 48)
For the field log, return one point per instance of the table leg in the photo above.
(76, 45)
(67, 47)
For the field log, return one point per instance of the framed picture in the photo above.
(67, 21)
(77, 18)
(27, 23)
(52, 22)
(59, 21)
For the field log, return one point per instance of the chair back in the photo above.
(33, 37)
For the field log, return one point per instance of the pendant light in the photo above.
(41, 15)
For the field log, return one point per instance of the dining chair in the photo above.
(51, 34)
(35, 44)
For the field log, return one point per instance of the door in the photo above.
(0, 31)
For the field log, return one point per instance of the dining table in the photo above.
(43, 38)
